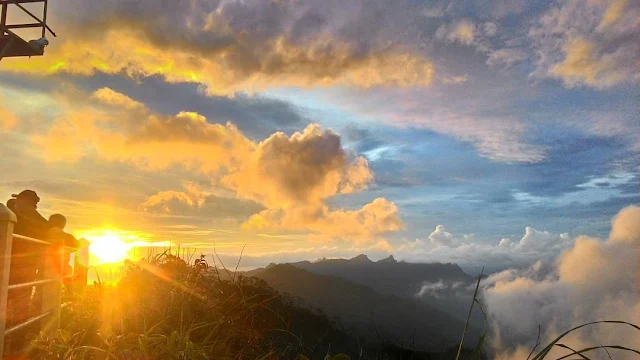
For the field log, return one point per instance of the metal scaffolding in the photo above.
(12, 44)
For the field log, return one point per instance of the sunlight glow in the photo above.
(110, 246)
(107, 246)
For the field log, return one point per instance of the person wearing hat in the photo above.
(30, 222)
(25, 258)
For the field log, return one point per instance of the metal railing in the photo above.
(49, 285)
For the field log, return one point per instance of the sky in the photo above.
(486, 133)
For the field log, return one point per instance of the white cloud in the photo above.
(506, 58)
(466, 251)
(440, 237)
(490, 28)
(496, 138)
(460, 79)
(462, 31)
(589, 281)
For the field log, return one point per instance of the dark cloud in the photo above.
(256, 115)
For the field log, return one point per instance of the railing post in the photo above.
(52, 292)
(7, 220)
(81, 264)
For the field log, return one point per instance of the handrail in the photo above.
(32, 320)
(40, 242)
(32, 283)
(50, 285)
(30, 239)
(40, 282)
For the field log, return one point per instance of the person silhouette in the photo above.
(58, 221)
(11, 204)
(26, 257)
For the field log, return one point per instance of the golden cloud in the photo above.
(588, 43)
(290, 175)
(7, 119)
(305, 168)
(612, 14)
(192, 196)
(364, 225)
(582, 65)
(117, 128)
(243, 65)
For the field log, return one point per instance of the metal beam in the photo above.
(44, 18)
(24, 26)
(19, 1)
(3, 17)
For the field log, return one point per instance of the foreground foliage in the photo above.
(166, 308)
(169, 308)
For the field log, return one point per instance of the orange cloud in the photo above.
(290, 176)
(588, 43)
(115, 128)
(582, 65)
(192, 196)
(612, 14)
(242, 65)
(365, 225)
(305, 168)
(7, 119)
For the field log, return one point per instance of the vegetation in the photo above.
(166, 308)
(169, 308)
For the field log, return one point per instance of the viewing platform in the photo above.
(48, 286)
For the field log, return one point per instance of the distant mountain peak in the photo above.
(390, 259)
(362, 258)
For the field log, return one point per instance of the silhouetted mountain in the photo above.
(388, 260)
(443, 286)
(388, 276)
(361, 309)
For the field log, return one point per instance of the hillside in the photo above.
(367, 313)
(446, 287)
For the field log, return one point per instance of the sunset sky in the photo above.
(479, 132)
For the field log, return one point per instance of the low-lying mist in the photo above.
(595, 279)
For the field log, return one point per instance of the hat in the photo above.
(25, 194)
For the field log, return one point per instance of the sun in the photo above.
(107, 246)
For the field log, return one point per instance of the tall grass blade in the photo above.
(547, 349)
(466, 325)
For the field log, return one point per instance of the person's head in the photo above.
(58, 220)
(27, 199)
(11, 204)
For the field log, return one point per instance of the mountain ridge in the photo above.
(363, 310)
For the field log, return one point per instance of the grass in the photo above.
(171, 307)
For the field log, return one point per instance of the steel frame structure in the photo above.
(11, 44)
